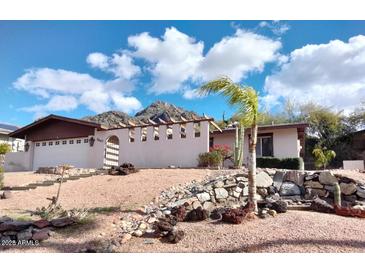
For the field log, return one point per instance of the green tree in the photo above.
(323, 156)
(246, 100)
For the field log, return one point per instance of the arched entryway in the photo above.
(111, 152)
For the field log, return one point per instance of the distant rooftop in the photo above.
(7, 128)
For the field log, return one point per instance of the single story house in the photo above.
(276, 140)
(56, 140)
(14, 143)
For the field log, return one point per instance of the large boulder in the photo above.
(221, 193)
(326, 178)
(348, 189)
(313, 184)
(263, 180)
(360, 191)
(278, 179)
(321, 206)
(14, 226)
(294, 176)
(289, 189)
(202, 197)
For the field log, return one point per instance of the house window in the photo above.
(211, 141)
(78, 142)
(264, 146)
(131, 135)
(183, 131)
(37, 144)
(156, 135)
(71, 142)
(50, 143)
(143, 134)
(169, 132)
(64, 142)
(86, 141)
(57, 143)
(44, 144)
(196, 129)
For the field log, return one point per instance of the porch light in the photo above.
(91, 141)
(26, 147)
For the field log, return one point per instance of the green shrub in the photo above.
(210, 159)
(4, 148)
(285, 163)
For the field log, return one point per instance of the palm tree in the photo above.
(246, 100)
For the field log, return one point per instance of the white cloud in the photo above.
(128, 104)
(330, 74)
(119, 64)
(277, 27)
(44, 81)
(61, 85)
(97, 60)
(172, 59)
(177, 58)
(191, 94)
(56, 103)
(235, 56)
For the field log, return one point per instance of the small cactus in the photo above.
(337, 195)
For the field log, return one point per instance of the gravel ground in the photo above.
(295, 231)
(25, 178)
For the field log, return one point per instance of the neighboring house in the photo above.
(15, 143)
(276, 140)
(56, 140)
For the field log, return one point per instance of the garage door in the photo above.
(74, 152)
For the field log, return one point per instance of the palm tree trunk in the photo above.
(236, 149)
(242, 138)
(252, 168)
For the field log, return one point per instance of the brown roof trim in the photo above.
(166, 123)
(56, 117)
(301, 125)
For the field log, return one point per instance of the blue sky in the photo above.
(79, 68)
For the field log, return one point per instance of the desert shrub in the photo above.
(285, 163)
(4, 148)
(210, 159)
(224, 150)
(53, 211)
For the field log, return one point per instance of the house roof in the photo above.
(21, 132)
(299, 125)
(6, 128)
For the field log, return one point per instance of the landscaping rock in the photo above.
(41, 235)
(278, 179)
(280, 206)
(221, 193)
(348, 189)
(25, 235)
(6, 194)
(179, 213)
(327, 178)
(320, 205)
(196, 204)
(14, 226)
(360, 191)
(202, 197)
(289, 189)
(198, 214)
(292, 176)
(4, 219)
(218, 184)
(263, 180)
(62, 222)
(208, 206)
(262, 192)
(41, 223)
(319, 192)
(314, 184)
(138, 233)
(175, 236)
(350, 198)
(312, 177)
(125, 238)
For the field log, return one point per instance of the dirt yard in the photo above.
(111, 197)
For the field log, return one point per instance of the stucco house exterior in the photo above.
(56, 140)
(277, 140)
(15, 143)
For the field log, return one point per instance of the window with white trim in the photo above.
(264, 146)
